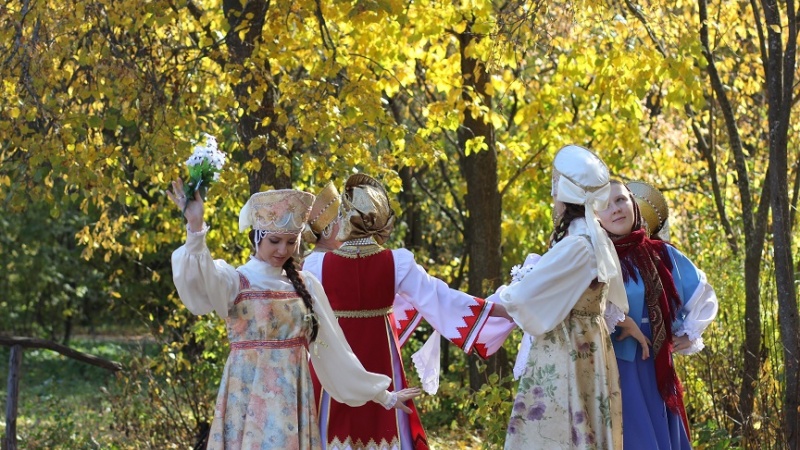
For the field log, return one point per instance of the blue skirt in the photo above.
(646, 421)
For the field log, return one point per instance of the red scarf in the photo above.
(653, 262)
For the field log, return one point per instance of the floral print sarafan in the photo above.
(569, 395)
(265, 400)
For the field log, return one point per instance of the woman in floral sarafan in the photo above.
(276, 316)
(671, 304)
(569, 395)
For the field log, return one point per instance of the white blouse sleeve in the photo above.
(337, 367)
(456, 315)
(700, 311)
(549, 291)
(204, 285)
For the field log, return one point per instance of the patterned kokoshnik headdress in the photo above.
(653, 207)
(282, 211)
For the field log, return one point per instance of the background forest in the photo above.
(458, 107)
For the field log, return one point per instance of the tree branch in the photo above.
(26, 342)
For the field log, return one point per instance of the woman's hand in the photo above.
(193, 211)
(498, 310)
(405, 395)
(631, 328)
(680, 343)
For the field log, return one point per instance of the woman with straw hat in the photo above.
(671, 304)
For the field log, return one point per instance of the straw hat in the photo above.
(652, 205)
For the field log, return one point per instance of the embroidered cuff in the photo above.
(201, 232)
(389, 402)
(697, 343)
(613, 315)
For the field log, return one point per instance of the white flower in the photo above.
(518, 272)
(207, 151)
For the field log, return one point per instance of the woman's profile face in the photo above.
(276, 249)
(618, 217)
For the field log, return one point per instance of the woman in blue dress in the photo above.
(671, 304)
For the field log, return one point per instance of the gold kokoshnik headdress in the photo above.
(652, 205)
(365, 210)
(324, 213)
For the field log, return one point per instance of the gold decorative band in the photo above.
(584, 314)
(362, 313)
(358, 251)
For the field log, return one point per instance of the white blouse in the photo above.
(205, 285)
(549, 290)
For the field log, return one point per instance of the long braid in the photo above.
(299, 286)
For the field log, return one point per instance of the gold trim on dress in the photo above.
(362, 313)
(358, 251)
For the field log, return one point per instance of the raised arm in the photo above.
(204, 285)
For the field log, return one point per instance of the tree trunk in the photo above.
(754, 241)
(261, 142)
(413, 238)
(779, 72)
(14, 364)
(483, 200)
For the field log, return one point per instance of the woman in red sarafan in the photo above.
(379, 296)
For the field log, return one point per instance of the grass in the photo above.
(63, 403)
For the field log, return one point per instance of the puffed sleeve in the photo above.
(497, 329)
(549, 291)
(700, 304)
(203, 284)
(455, 315)
(337, 367)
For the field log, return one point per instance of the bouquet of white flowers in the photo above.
(204, 165)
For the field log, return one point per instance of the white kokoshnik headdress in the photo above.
(581, 177)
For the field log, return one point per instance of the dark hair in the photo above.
(299, 286)
(572, 211)
(252, 235)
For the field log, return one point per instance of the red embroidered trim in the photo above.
(265, 295)
(407, 326)
(244, 283)
(284, 343)
(465, 333)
